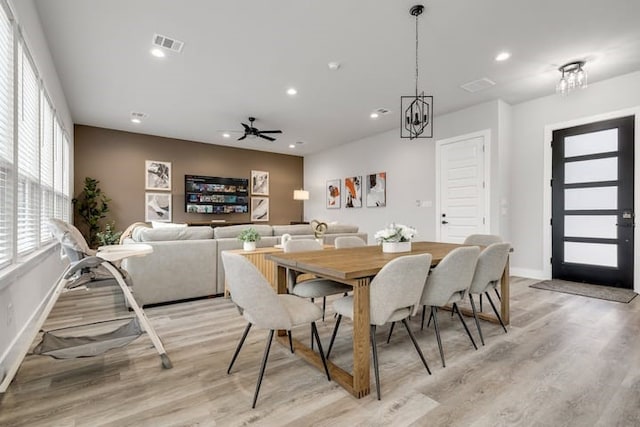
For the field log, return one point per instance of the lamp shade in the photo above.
(300, 195)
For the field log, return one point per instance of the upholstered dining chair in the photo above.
(483, 240)
(311, 288)
(448, 283)
(262, 307)
(394, 294)
(348, 242)
(487, 275)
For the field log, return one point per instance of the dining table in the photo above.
(357, 267)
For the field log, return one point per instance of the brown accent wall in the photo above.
(117, 160)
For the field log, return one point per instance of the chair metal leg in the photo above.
(415, 344)
(311, 335)
(475, 316)
(480, 302)
(455, 308)
(290, 340)
(238, 347)
(314, 330)
(333, 335)
(496, 312)
(390, 331)
(374, 351)
(324, 306)
(498, 293)
(424, 308)
(430, 317)
(434, 314)
(262, 367)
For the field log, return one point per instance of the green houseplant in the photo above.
(109, 236)
(91, 205)
(249, 236)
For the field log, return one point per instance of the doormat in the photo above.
(586, 290)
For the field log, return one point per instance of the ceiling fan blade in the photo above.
(270, 131)
(266, 137)
(246, 127)
(242, 137)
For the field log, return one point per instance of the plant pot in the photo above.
(249, 246)
(394, 247)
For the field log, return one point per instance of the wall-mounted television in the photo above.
(215, 195)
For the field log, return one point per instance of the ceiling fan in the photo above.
(249, 130)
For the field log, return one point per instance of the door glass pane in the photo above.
(591, 170)
(591, 198)
(591, 253)
(591, 143)
(598, 226)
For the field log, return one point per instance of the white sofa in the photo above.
(186, 262)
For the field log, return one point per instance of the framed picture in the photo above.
(259, 209)
(353, 192)
(377, 190)
(157, 175)
(333, 194)
(260, 183)
(157, 207)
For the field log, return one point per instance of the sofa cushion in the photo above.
(144, 234)
(234, 230)
(279, 230)
(158, 224)
(341, 228)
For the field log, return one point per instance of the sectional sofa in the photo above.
(186, 262)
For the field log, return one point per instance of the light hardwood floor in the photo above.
(566, 361)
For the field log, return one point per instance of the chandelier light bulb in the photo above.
(573, 76)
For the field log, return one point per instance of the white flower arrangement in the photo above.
(396, 233)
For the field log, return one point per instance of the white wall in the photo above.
(24, 288)
(527, 159)
(410, 169)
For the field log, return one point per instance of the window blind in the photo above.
(46, 168)
(6, 139)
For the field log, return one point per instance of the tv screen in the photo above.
(215, 195)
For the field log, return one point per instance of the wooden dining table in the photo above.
(357, 267)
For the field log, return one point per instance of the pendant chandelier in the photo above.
(417, 119)
(573, 77)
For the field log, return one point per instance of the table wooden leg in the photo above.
(361, 339)
(281, 288)
(504, 294)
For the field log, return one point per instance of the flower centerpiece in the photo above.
(249, 236)
(396, 238)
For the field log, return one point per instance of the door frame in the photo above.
(486, 135)
(546, 184)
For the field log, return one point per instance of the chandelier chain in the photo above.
(417, 54)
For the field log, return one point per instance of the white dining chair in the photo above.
(394, 296)
(448, 283)
(483, 240)
(261, 306)
(488, 273)
(342, 242)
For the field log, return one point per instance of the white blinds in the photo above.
(28, 153)
(46, 168)
(6, 139)
(66, 168)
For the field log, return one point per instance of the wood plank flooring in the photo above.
(566, 361)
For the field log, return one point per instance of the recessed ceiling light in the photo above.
(374, 115)
(503, 56)
(291, 91)
(157, 52)
(135, 120)
(226, 135)
(292, 146)
(333, 66)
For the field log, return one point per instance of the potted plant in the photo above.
(249, 237)
(109, 236)
(92, 205)
(396, 238)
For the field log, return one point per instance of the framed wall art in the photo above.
(260, 183)
(353, 192)
(157, 175)
(157, 207)
(259, 209)
(377, 190)
(333, 194)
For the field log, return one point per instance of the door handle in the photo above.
(445, 222)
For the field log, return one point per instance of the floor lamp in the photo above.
(301, 195)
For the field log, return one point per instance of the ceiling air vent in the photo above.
(383, 111)
(137, 115)
(167, 43)
(478, 85)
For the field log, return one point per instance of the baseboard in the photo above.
(528, 273)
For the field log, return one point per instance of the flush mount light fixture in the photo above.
(417, 120)
(503, 56)
(292, 91)
(573, 77)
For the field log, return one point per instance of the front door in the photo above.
(462, 191)
(592, 203)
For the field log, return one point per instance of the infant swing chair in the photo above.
(91, 269)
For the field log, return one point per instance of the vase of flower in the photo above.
(395, 247)
(249, 237)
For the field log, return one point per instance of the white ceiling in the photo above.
(241, 56)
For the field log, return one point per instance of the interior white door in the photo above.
(462, 188)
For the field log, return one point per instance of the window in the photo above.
(34, 151)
